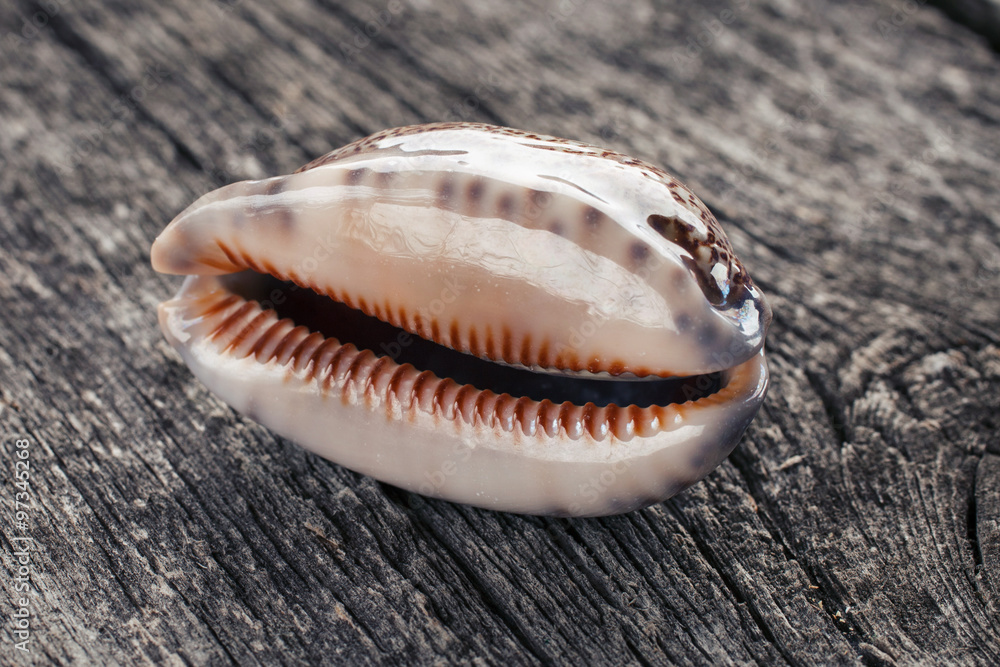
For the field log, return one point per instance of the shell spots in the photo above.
(679, 280)
(674, 230)
(355, 176)
(708, 335)
(505, 205)
(475, 191)
(638, 252)
(705, 251)
(276, 186)
(446, 192)
(535, 209)
(282, 214)
(710, 287)
(592, 217)
(557, 228)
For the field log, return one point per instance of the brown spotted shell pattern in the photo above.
(510, 320)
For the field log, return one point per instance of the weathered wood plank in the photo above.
(855, 170)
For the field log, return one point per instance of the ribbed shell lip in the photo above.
(169, 254)
(207, 311)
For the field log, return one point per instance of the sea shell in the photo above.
(508, 320)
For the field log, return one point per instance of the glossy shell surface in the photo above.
(536, 255)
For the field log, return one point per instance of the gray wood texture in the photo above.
(850, 149)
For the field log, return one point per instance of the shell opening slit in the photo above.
(343, 325)
(479, 314)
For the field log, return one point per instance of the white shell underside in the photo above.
(394, 422)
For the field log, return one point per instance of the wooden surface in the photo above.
(851, 151)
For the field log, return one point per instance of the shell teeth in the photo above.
(234, 325)
(505, 348)
(340, 369)
(549, 417)
(526, 414)
(323, 359)
(303, 354)
(466, 402)
(284, 351)
(267, 345)
(240, 328)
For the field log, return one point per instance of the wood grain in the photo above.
(856, 173)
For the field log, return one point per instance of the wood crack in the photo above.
(763, 503)
(832, 406)
(733, 588)
(971, 527)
